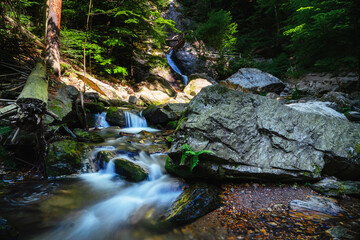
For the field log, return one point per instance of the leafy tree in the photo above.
(218, 31)
(321, 34)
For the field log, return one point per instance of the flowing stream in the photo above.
(175, 67)
(100, 205)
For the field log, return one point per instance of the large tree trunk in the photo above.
(52, 36)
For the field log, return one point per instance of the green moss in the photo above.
(180, 122)
(172, 124)
(317, 170)
(88, 136)
(357, 148)
(112, 111)
(130, 170)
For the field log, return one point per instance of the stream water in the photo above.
(99, 205)
(175, 67)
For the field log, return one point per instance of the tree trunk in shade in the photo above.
(52, 36)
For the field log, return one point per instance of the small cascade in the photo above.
(100, 120)
(175, 67)
(135, 121)
(104, 218)
(136, 124)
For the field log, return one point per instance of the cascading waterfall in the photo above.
(100, 120)
(135, 121)
(125, 203)
(175, 67)
(136, 124)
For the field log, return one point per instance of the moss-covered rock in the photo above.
(64, 157)
(85, 136)
(130, 170)
(94, 107)
(115, 117)
(334, 188)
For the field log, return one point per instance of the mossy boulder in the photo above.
(94, 107)
(64, 157)
(130, 170)
(115, 117)
(334, 188)
(85, 136)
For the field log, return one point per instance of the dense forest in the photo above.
(298, 36)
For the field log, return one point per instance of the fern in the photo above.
(188, 153)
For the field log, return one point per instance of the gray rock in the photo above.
(94, 96)
(254, 80)
(318, 83)
(335, 188)
(321, 108)
(341, 100)
(195, 86)
(254, 137)
(133, 99)
(353, 116)
(163, 114)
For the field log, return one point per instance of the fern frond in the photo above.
(194, 162)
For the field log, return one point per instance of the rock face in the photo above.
(187, 57)
(320, 108)
(254, 137)
(334, 188)
(254, 80)
(195, 86)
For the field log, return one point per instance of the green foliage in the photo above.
(193, 157)
(169, 139)
(172, 124)
(295, 94)
(218, 31)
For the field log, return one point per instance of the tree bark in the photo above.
(52, 36)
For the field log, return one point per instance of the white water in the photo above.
(100, 120)
(136, 124)
(175, 67)
(124, 203)
(103, 219)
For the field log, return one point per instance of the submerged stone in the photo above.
(315, 208)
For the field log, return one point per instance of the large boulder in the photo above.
(195, 86)
(164, 113)
(153, 96)
(254, 80)
(158, 83)
(254, 137)
(65, 157)
(115, 117)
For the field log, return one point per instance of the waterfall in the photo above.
(175, 67)
(135, 121)
(136, 124)
(100, 120)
